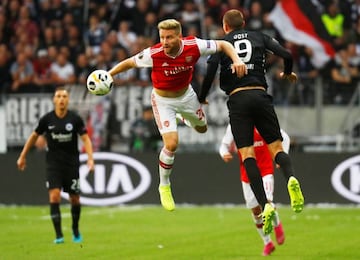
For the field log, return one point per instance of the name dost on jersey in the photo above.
(241, 36)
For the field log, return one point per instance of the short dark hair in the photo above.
(234, 19)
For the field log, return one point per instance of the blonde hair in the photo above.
(170, 24)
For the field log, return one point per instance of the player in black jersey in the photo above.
(250, 106)
(61, 128)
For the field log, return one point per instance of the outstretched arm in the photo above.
(122, 66)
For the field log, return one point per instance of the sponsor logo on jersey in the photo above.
(117, 179)
(69, 127)
(346, 179)
(177, 70)
(188, 59)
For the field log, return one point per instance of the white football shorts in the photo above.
(187, 106)
(250, 199)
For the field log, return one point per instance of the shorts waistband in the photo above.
(246, 88)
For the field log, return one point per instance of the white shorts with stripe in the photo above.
(250, 199)
(165, 110)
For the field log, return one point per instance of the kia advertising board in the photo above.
(197, 178)
(117, 179)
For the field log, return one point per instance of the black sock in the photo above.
(256, 182)
(56, 218)
(75, 213)
(283, 159)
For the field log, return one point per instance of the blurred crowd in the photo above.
(46, 43)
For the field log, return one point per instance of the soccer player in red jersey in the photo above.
(172, 62)
(266, 167)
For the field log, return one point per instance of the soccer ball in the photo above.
(99, 82)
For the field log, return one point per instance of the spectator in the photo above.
(45, 14)
(138, 16)
(22, 73)
(5, 30)
(82, 69)
(144, 135)
(42, 73)
(60, 37)
(76, 8)
(212, 28)
(150, 27)
(24, 25)
(190, 17)
(62, 71)
(6, 78)
(57, 11)
(47, 37)
(126, 37)
(255, 20)
(307, 75)
(334, 21)
(52, 52)
(169, 9)
(94, 35)
(338, 79)
(75, 44)
(126, 78)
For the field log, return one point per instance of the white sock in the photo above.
(166, 161)
(259, 224)
(276, 219)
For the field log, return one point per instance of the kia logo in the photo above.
(117, 179)
(348, 170)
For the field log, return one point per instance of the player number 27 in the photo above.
(244, 49)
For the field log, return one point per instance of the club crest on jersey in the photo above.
(188, 58)
(69, 127)
(166, 123)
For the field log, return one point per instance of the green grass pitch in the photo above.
(201, 232)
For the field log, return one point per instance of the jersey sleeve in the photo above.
(41, 127)
(143, 59)
(227, 143)
(286, 141)
(274, 46)
(81, 128)
(206, 47)
(211, 69)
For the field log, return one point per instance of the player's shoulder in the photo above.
(73, 114)
(48, 115)
(189, 40)
(157, 48)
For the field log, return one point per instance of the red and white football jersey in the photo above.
(174, 73)
(263, 158)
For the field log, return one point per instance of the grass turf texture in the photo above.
(187, 233)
